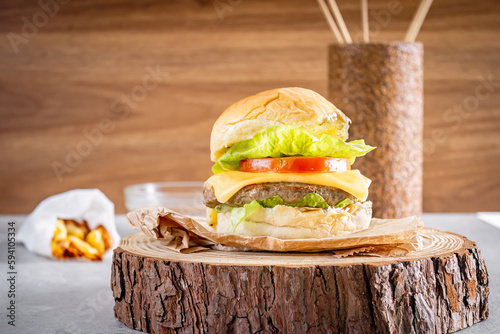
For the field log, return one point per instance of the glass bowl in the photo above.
(184, 197)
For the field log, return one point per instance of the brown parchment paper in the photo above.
(384, 237)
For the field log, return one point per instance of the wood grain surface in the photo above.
(68, 71)
(441, 288)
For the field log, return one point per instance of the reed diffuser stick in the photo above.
(329, 19)
(364, 20)
(340, 20)
(418, 20)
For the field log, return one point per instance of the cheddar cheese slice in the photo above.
(226, 184)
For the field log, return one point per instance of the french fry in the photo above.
(94, 239)
(85, 226)
(73, 239)
(78, 230)
(72, 251)
(108, 241)
(57, 250)
(61, 232)
(84, 248)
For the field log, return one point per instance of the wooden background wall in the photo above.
(65, 78)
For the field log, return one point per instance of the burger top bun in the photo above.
(298, 107)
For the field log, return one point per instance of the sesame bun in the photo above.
(298, 107)
(284, 222)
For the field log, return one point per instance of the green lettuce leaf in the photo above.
(239, 214)
(343, 203)
(285, 140)
(311, 200)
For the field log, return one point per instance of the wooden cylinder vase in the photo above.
(379, 86)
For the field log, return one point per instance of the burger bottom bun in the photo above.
(285, 222)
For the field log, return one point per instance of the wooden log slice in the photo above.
(439, 289)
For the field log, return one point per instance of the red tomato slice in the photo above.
(295, 165)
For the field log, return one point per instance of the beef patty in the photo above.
(290, 192)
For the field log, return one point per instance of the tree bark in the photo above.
(441, 289)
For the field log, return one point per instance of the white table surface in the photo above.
(75, 297)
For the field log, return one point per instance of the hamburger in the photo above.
(283, 169)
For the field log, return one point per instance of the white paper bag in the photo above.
(92, 205)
